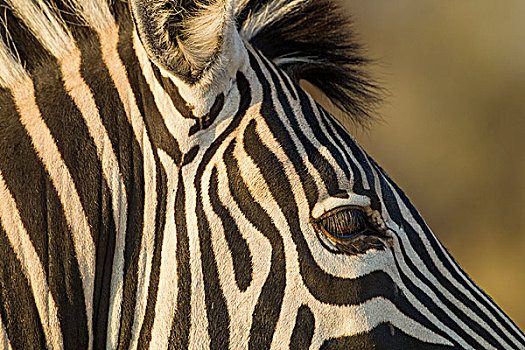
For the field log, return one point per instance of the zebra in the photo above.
(165, 182)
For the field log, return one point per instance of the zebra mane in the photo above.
(311, 40)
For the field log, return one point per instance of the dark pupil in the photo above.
(344, 223)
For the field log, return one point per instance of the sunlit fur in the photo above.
(142, 207)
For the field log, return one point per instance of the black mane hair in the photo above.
(314, 41)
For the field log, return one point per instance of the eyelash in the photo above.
(343, 223)
(349, 231)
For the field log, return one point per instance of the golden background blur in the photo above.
(453, 129)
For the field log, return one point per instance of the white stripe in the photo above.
(45, 25)
(62, 180)
(346, 153)
(4, 339)
(83, 98)
(95, 13)
(241, 305)
(333, 321)
(168, 286)
(199, 336)
(11, 71)
(177, 125)
(33, 270)
(150, 205)
(109, 41)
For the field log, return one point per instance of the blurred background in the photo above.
(453, 129)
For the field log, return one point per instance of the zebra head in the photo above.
(165, 182)
(295, 236)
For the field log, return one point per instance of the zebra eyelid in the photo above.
(331, 203)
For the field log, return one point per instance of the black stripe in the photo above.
(303, 330)
(362, 161)
(207, 120)
(311, 118)
(115, 123)
(20, 40)
(360, 158)
(25, 176)
(268, 307)
(318, 161)
(183, 107)
(356, 174)
(43, 217)
(180, 330)
(217, 312)
(134, 180)
(327, 120)
(282, 136)
(75, 145)
(79, 153)
(385, 336)
(64, 276)
(157, 129)
(190, 155)
(241, 256)
(17, 305)
(160, 224)
(290, 85)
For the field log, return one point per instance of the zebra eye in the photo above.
(343, 223)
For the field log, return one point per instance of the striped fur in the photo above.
(140, 211)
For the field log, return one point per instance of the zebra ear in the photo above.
(184, 37)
